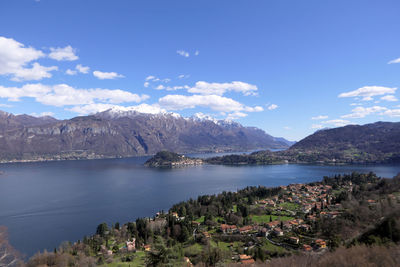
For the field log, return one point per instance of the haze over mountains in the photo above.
(370, 143)
(123, 133)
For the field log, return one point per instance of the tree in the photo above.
(8, 255)
(160, 254)
(102, 229)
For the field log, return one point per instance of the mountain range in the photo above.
(123, 133)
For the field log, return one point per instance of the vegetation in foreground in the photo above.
(314, 224)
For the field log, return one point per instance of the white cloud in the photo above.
(6, 106)
(272, 107)
(356, 104)
(183, 76)
(43, 114)
(320, 117)
(317, 126)
(37, 72)
(172, 88)
(166, 80)
(106, 75)
(337, 122)
(90, 108)
(236, 115)
(15, 59)
(150, 77)
(82, 69)
(361, 112)
(287, 128)
(71, 72)
(390, 98)
(64, 95)
(146, 84)
(368, 92)
(177, 87)
(215, 102)
(183, 53)
(394, 61)
(392, 113)
(99, 107)
(206, 88)
(63, 53)
(197, 53)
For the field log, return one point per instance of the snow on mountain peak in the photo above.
(120, 111)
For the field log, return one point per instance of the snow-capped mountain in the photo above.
(125, 132)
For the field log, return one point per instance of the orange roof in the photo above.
(244, 257)
(227, 226)
(246, 228)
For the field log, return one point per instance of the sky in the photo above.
(287, 67)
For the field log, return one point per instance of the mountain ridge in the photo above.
(105, 135)
(377, 142)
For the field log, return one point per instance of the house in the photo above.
(243, 257)
(245, 229)
(207, 234)
(320, 243)
(307, 247)
(195, 224)
(294, 240)
(278, 231)
(305, 227)
(226, 228)
(187, 262)
(175, 214)
(130, 245)
(272, 225)
(147, 247)
(287, 225)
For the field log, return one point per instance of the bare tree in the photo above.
(9, 257)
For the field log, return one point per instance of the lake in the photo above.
(45, 203)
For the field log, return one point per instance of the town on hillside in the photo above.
(252, 225)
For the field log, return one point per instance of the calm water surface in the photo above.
(43, 204)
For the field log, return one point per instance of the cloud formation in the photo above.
(64, 95)
(361, 112)
(394, 61)
(16, 59)
(107, 75)
(320, 117)
(183, 53)
(368, 92)
(82, 69)
(272, 107)
(63, 53)
(390, 98)
(205, 88)
(99, 107)
(214, 102)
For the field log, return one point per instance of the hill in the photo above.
(371, 143)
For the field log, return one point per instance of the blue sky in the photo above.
(287, 67)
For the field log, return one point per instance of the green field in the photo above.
(290, 206)
(272, 248)
(137, 261)
(200, 220)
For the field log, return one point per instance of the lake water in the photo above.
(43, 204)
